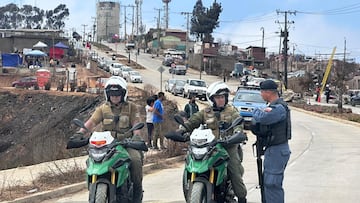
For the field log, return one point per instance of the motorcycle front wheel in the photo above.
(198, 193)
(101, 193)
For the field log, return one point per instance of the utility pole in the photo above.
(293, 58)
(84, 31)
(132, 23)
(263, 33)
(158, 32)
(286, 35)
(94, 29)
(137, 2)
(187, 38)
(125, 37)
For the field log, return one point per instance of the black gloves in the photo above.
(77, 140)
(78, 136)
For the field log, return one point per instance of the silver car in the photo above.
(178, 87)
(169, 84)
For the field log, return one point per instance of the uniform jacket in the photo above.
(116, 118)
(212, 118)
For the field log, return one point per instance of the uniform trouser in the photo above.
(136, 173)
(275, 160)
(158, 135)
(236, 172)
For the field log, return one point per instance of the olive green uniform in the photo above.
(128, 114)
(228, 115)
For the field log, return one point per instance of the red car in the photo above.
(25, 82)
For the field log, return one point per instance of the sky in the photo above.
(315, 29)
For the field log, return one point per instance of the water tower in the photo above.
(166, 13)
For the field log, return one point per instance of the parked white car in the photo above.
(125, 71)
(134, 76)
(195, 87)
(115, 68)
(255, 82)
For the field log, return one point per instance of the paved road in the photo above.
(152, 76)
(323, 166)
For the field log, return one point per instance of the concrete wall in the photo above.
(108, 19)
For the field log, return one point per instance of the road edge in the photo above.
(326, 116)
(73, 188)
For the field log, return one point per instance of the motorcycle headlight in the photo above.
(199, 142)
(199, 153)
(98, 154)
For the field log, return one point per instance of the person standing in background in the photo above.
(149, 109)
(191, 107)
(158, 118)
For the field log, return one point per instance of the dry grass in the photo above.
(56, 177)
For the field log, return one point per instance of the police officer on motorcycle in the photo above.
(218, 116)
(118, 116)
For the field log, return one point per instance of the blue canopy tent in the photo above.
(35, 53)
(61, 45)
(35, 63)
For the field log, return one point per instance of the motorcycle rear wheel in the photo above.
(101, 193)
(198, 193)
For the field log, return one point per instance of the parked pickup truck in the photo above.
(195, 87)
(177, 70)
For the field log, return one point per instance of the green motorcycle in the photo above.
(205, 178)
(108, 175)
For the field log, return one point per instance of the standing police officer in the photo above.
(275, 119)
(118, 116)
(220, 112)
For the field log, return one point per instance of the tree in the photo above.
(55, 18)
(204, 21)
(29, 17)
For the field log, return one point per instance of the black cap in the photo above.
(268, 85)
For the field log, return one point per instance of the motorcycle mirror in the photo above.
(236, 122)
(79, 123)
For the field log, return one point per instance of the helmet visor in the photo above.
(116, 91)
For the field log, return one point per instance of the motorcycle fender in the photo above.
(209, 188)
(123, 174)
(112, 191)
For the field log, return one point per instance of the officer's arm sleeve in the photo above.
(195, 120)
(97, 116)
(277, 113)
(235, 115)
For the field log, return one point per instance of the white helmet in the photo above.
(217, 88)
(116, 86)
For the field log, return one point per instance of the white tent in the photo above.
(40, 44)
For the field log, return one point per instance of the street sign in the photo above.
(161, 69)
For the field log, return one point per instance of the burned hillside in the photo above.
(36, 124)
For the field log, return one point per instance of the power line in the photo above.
(353, 8)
